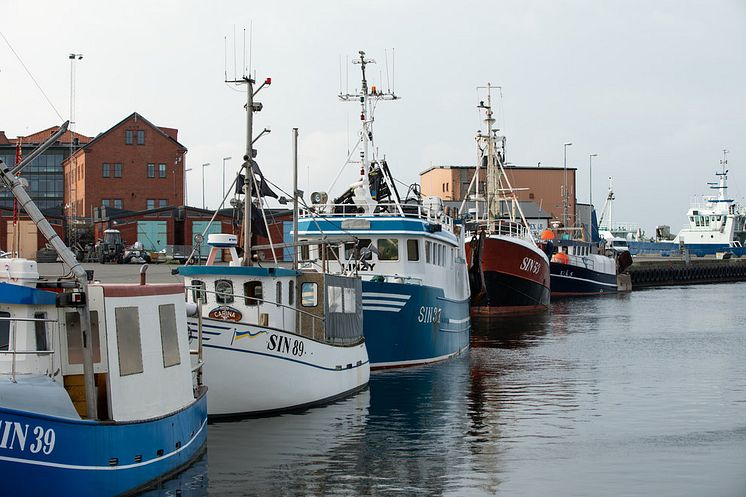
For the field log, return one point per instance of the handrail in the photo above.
(300, 311)
(327, 210)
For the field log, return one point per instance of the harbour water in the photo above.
(635, 394)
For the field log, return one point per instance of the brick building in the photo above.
(540, 185)
(134, 166)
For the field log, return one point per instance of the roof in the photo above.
(167, 134)
(508, 166)
(41, 136)
(530, 209)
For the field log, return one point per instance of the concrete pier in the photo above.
(648, 271)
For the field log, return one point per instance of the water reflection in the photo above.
(641, 394)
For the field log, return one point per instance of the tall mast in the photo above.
(493, 168)
(248, 157)
(295, 198)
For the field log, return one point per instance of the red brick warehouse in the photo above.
(134, 165)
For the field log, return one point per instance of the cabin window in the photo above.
(361, 244)
(304, 253)
(128, 340)
(253, 293)
(224, 291)
(40, 330)
(4, 331)
(198, 291)
(348, 303)
(428, 251)
(388, 249)
(334, 296)
(291, 293)
(278, 293)
(74, 344)
(413, 250)
(309, 294)
(169, 337)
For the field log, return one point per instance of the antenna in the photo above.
(234, 54)
(388, 83)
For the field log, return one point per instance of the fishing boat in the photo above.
(581, 268)
(716, 224)
(277, 338)
(508, 271)
(408, 252)
(97, 390)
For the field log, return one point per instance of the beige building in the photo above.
(538, 184)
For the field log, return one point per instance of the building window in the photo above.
(128, 137)
(151, 170)
(162, 202)
(413, 250)
(161, 170)
(118, 203)
(106, 170)
(140, 137)
(117, 170)
(150, 204)
(105, 202)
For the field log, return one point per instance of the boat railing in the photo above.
(383, 209)
(504, 228)
(14, 352)
(299, 312)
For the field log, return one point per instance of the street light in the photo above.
(224, 159)
(203, 183)
(564, 197)
(590, 195)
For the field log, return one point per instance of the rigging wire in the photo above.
(31, 76)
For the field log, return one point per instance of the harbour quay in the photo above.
(652, 271)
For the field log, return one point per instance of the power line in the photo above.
(31, 76)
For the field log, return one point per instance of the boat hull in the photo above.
(257, 371)
(81, 454)
(510, 276)
(669, 248)
(406, 325)
(570, 280)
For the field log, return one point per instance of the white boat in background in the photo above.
(715, 224)
(96, 384)
(278, 339)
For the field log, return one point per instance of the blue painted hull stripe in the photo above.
(230, 349)
(105, 468)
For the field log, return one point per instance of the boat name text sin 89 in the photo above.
(16, 436)
(284, 344)
(530, 266)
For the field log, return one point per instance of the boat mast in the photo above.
(295, 198)
(249, 178)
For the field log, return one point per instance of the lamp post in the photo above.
(203, 183)
(564, 196)
(224, 159)
(590, 195)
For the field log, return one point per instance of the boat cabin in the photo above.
(141, 355)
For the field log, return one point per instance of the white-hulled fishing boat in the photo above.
(278, 339)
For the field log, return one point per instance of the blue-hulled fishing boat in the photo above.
(409, 253)
(97, 389)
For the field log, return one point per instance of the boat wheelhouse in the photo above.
(408, 252)
(98, 394)
(278, 339)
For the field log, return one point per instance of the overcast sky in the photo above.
(656, 88)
